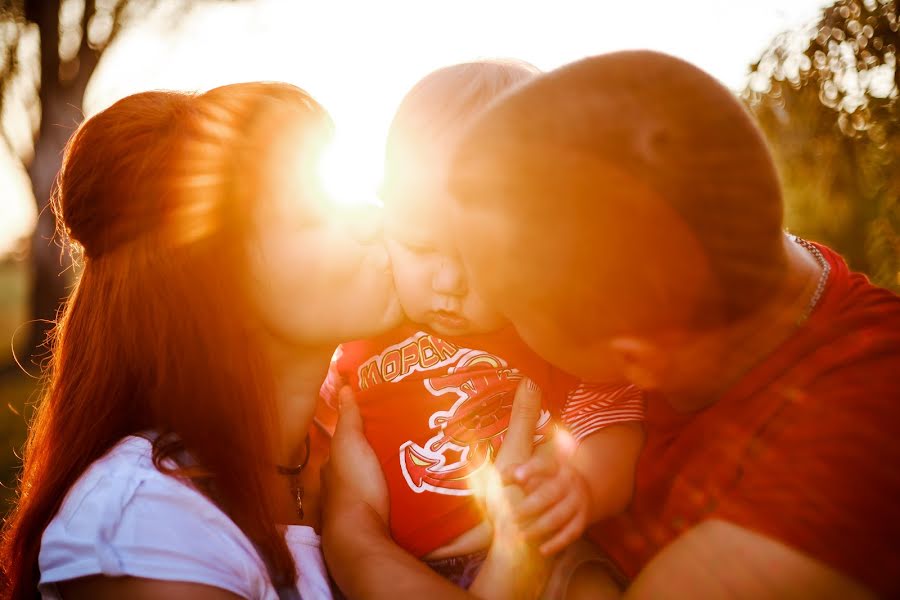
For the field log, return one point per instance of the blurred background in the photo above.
(821, 77)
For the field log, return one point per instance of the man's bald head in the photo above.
(621, 192)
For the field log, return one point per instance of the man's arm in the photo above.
(720, 559)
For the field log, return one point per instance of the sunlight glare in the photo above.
(350, 172)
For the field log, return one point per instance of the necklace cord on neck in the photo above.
(293, 475)
(823, 278)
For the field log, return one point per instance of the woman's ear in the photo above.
(643, 362)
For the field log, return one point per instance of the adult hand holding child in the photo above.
(514, 567)
(357, 546)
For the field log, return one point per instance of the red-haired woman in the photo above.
(187, 361)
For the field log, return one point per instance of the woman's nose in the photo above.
(450, 279)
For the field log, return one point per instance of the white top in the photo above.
(124, 517)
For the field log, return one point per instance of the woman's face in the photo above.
(320, 277)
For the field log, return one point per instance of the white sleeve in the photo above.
(152, 527)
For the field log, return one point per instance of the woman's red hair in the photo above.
(160, 334)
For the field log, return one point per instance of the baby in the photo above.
(435, 394)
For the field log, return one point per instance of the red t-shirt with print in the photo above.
(435, 410)
(805, 449)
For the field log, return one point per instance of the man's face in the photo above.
(494, 255)
(574, 281)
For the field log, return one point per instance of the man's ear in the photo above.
(643, 362)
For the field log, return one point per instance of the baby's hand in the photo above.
(556, 507)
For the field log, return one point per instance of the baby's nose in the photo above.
(450, 279)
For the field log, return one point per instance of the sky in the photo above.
(358, 58)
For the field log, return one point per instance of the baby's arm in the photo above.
(607, 460)
(605, 422)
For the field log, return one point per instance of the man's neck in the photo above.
(745, 344)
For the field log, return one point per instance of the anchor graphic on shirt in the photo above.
(468, 434)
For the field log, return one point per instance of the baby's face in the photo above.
(432, 286)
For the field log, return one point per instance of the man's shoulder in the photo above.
(853, 335)
(851, 298)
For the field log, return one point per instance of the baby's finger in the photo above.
(553, 520)
(523, 418)
(542, 464)
(566, 536)
(540, 500)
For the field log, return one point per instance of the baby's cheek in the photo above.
(413, 300)
(410, 293)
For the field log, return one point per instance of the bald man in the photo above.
(624, 212)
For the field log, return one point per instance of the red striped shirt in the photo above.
(593, 406)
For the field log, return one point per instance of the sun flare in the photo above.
(350, 172)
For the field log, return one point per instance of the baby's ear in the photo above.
(642, 361)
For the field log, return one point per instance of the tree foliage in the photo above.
(827, 98)
(72, 35)
(47, 84)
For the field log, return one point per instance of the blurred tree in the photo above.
(72, 34)
(827, 99)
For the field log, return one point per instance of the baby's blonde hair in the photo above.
(434, 113)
